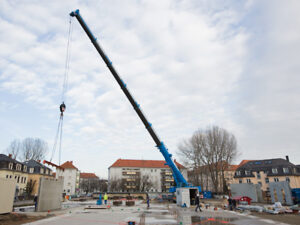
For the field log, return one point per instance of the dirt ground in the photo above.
(284, 218)
(16, 219)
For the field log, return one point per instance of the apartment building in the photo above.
(71, 175)
(89, 182)
(13, 169)
(268, 170)
(36, 170)
(141, 175)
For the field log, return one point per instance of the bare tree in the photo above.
(209, 152)
(34, 148)
(103, 185)
(145, 183)
(29, 187)
(14, 148)
(116, 185)
(29, 148)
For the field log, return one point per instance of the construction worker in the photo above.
(105, 198)
(35, 199)
(197, 203)
(148, 201)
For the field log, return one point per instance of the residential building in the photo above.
(13, 169)
(268, 170)
(70, 174)
(89, 182)
(141, 175)
(36, 170)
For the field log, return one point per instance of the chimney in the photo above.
(287, 158)
(9, 155)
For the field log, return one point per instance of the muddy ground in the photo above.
(16, 218)
(284, 218)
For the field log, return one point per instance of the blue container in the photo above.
(207, 194)
(99, 201)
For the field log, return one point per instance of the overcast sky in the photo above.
(190, 65)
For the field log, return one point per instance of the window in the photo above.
(10, 166)
(42, 170)
(18, 167)
(259, 183)
(18, 179)
(247, 173)
(6, 176)
(258, 175)
(240, 181)
(286, 170)
(31, 170)
(10, 176)
(238, 173)
(276, 179)
(249, 181)
(25, 168)
(287, 179)
(274, 170)
(267, 180)
(24, 179)
(21, 179)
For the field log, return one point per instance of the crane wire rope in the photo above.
(62, 107)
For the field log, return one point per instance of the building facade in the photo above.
(70, 174)
(89, 183)
(266, 171)
(13, 169)
(141, 175)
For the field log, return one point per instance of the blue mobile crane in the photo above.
(178, 177)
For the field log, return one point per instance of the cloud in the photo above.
(189, 64)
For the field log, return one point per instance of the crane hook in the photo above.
(62, 108)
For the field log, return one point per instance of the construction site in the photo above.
(205, 186)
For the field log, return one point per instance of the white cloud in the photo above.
(189, 64)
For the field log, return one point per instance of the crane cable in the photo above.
(62, 107)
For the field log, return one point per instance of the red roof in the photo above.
(232, 167)
(88, 175)
(143, 163)
(243, 162)
(68, 165)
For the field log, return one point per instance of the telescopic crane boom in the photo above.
(178, 177)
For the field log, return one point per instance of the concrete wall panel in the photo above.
(50, 194)
(249, 190)
(281, 192)
(7, 194)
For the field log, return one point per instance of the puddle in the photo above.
(211, 220)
